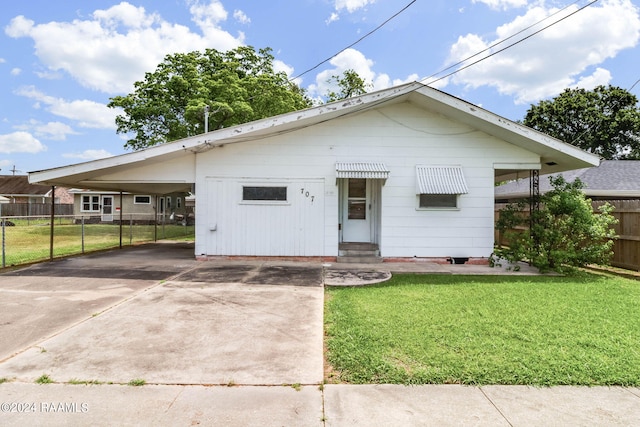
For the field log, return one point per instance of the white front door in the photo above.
(356, 225)
(107, 208)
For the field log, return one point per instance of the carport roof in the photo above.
(170, 167)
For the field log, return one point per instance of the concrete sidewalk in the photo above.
(330, 405)
(227, 342)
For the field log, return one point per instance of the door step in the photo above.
(359, 253)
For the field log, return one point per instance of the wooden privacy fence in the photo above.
(34, 209)
(626, 248)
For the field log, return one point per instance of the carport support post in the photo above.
(3, 244)
(534, 204)
(155, 221)
(121, 220)
(53, 217)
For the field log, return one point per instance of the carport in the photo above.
(155, 171)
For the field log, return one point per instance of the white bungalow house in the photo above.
(109, 206)
(408, 171)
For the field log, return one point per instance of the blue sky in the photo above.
(61, 61)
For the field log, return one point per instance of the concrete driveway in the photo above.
(225, 343)
(153, 313)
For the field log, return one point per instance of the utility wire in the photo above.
(354, 43)
(500, 42)
(509, 46)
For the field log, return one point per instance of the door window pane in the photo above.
(358, 188)
(357, 209)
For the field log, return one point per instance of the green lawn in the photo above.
(432, 329)
(30, 242)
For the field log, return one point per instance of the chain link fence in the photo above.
(27, 239)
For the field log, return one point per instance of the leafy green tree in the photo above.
(603, 121)
(237, 86)
(566, 233)
(349, 84)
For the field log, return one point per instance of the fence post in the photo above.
(120, 227)
(3, 246)
(82, 232)
(53, 219)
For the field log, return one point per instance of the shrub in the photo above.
(565, 232)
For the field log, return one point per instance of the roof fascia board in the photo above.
(204, 142)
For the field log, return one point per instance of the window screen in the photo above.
(264, 193)
(438, 200)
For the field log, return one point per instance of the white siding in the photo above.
(401, 136)
(294, 227)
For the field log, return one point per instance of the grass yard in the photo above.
(30, 243)
(433, 329)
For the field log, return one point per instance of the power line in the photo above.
(507, 47)
(500, 42)
(354, 43)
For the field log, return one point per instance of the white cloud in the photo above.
(600, 77)
(54, 130)
(50, 130)
(351, 5)
(502, 4)
(352, 59)
(114, 47)
(2, 60)
(241, 17)
(87, 114)
(16, 71)
(556, 58)
(20, 142)
(334, 17)
(88, 155)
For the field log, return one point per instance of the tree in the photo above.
(237, 86)
(349, 84)
(566, 233)
(604, 121)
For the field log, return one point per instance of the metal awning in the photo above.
(362, 170)
(440, 180)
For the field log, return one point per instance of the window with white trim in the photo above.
(438, 201)
(142, 200)
(439, 186)
(90, 203)
(264, 194)
(178, 202)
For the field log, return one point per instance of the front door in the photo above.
(356, 210)
(107, 208)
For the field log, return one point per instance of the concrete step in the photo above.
(360, 259)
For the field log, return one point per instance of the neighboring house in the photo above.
(612, 180)
(106, 206)
(17, 189)
(408, 171)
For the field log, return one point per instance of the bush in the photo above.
(566, 233)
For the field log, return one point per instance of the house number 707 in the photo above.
(306, 194)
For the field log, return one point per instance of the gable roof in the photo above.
(612, 179)
(18, 185)
(555, 155)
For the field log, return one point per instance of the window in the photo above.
(438, 200)
(168, 203)
(438, 186)
(178, 202)
(142, 200)
(264, 194)
(357, 199)
(90, 203)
